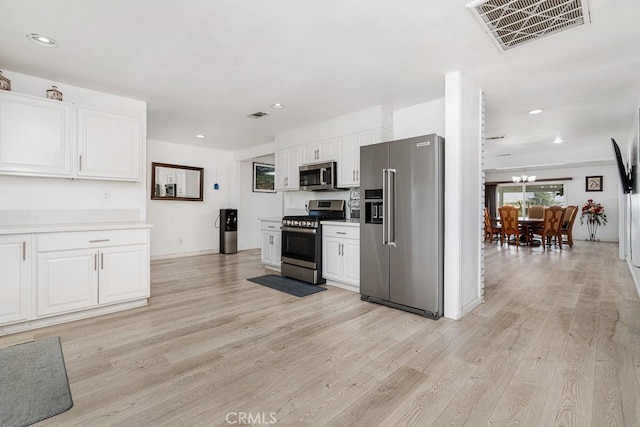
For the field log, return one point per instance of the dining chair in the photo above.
(510, 223)
(536, 211)
(489, 229)
(570, 214)
(551, 226)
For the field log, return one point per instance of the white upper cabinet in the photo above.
(348, 161)
(318, 152)
(288, 169)
(43, 137)
(109, 145)
(349, 156)
(35, 136)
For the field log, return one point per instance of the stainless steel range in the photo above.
(302, 240)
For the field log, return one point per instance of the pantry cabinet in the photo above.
(15, 284)
(288, 169)
(35, 136)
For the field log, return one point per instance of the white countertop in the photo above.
(51, 228)
(341, 223)
(275, 219)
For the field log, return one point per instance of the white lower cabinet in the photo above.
(123, 274)
(15, 283)
(76, 274)
(271, 247)
(81, 270)
(67, 281)
(341, 254)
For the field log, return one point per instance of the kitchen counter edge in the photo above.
(53, 228)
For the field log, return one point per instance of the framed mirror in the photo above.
(176, 182)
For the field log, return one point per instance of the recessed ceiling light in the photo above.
(558, 140)
(41, 40)
(277, 106)
(199, 136)
(537, 111)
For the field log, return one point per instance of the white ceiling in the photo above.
(204, 65)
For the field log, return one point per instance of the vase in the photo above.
(54, 93)
(592, 226)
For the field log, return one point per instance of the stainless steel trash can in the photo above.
(228, 231)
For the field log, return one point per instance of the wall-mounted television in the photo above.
(626, 176)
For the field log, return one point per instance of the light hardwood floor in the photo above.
(557, 342)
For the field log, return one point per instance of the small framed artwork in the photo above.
(264, 178)
(593, 183)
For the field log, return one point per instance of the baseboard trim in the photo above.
(344, 286)
(69, 317)
(183, 255)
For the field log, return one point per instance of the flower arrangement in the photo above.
(593, 213)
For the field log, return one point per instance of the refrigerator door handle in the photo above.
(391, 206)
(384, 204)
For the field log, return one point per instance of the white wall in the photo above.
(253, 206)
(630, 206)
(575, 194)
(39, 193)
(463, 190)
(184, 227)
(421, 119)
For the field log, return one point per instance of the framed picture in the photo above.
(264, 178)
(593, 183)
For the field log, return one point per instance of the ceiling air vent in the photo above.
(511, 23)
(257, 115)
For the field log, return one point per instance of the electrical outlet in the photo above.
(180, 240)
(106, 195)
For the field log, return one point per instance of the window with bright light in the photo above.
(525, 195)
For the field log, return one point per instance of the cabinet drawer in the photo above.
(270, 225)
(90, 239)
(338, 231)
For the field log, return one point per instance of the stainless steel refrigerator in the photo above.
(402, 228)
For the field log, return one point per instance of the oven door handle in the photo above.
(299, 230)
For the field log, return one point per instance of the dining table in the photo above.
(527, 224)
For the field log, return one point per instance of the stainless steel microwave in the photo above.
(318, 177)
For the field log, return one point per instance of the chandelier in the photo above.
(523, 178)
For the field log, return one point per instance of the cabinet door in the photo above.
(277, 248)
(351, 259)
(348, 149)
(327, 150)
(310, 154)
(35, 136)
(124, 273)
(331, 258)
(267, 248)
(293, 174)
(15, 288)
(109, 145)
(67, 281)
(282, 169)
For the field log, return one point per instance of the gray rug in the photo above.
(287, 285)
(33, 382)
